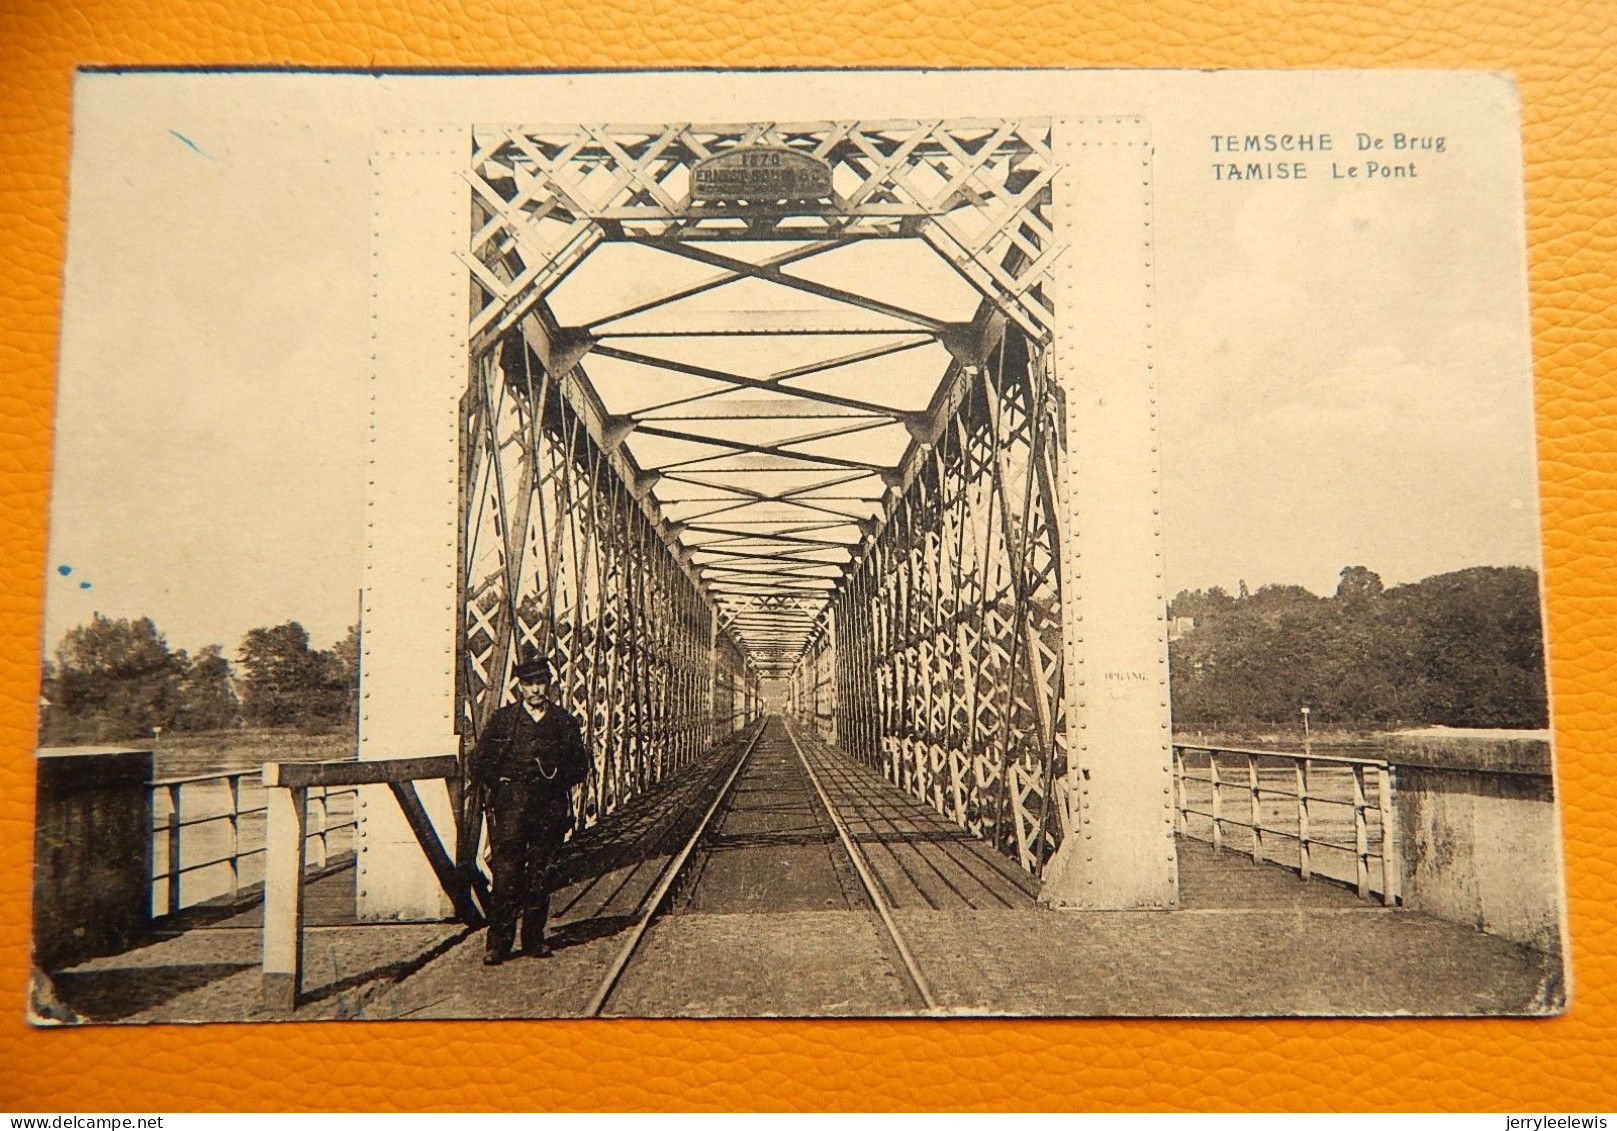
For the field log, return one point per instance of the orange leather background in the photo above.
(1565, 57)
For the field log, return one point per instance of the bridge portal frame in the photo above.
(1013, 672)
(1043, 258)
(978, 192)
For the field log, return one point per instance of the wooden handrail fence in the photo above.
(178, 818)
(1310, 790)
(286, 786)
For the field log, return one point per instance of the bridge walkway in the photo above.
(769, 918)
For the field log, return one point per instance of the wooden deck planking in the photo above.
(922, 860)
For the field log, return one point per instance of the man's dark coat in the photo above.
(524, 769)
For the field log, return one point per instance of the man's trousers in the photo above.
(526, 824)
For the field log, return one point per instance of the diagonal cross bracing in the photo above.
(721, 377)
(779, 437)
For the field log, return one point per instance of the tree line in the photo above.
(1459, 649)
(116, 680)
(1463, 649)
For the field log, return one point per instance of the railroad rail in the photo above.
(872, 892)
(664, 884)
(653, 905)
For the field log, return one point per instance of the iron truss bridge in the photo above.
(769, 406)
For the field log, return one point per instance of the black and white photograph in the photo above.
(795, 544)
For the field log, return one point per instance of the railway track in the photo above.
(772, 804)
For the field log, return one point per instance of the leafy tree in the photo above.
(206, 699)
(1459, 649)
(1477, 638)
(1201, 603)
(346, 653)
(289, 684)
(113, 680)
(1358, 585)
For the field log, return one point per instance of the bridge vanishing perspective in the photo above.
(836, 411)
(805, 378)
(819, 458)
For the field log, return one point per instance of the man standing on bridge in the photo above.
(523, 770)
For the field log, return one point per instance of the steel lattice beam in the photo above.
(941, 664)
(740, 523)
(558, 554)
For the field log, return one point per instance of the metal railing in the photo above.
(1268, 800)
(215, 823)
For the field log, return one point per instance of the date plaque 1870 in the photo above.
(761, 175)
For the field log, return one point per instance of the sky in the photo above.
(1344, 373)
(1320, 412)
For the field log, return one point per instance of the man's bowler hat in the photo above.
(532, 667)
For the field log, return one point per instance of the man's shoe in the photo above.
(494, 958)
(543, 950)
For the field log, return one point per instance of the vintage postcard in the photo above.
(1025, 543)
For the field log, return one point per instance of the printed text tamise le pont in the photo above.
(1358, 156)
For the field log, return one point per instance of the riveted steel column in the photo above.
(1120, 854)
(411, 608)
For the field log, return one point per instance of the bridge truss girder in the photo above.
(559, 555)
(927, 641)
(940, 663)
(974, 190)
